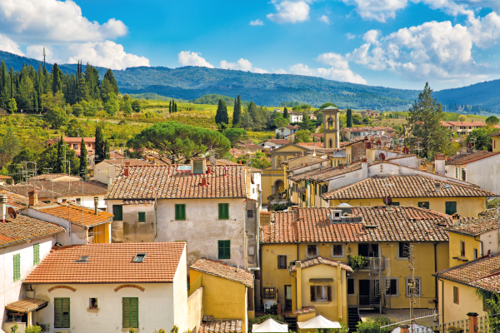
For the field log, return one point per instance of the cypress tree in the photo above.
(170, 107)
(99, 145)
(35, 101)
(285, 113)
(106, 148)
(61, 162)
(349, 118)
(175, 107)
(56, 79)
(221, 115)
(237, 112)
(11, 74)
(83, 160)
(111, 78)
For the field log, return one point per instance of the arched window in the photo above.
(330, 123)
(330, 143)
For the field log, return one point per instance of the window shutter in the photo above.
(227, 254)
(226, 206)
(183, 212)
(117, 212)
(329, 293)
(65, 312)
(57, 312)
(134, 312)
(126, 312)
(36, 254)
(177, 217)
(313, 294)
(17, 266)
(221, 209)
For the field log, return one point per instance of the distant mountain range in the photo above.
(190, 83)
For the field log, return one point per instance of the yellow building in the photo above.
(382, 237)
(495, 142)
(331, 127)
(227, 290)
(413, 190)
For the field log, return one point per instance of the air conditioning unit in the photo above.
(61, 331)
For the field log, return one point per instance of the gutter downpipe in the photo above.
(435, 270)
(482, 245)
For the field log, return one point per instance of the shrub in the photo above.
(454, 329)
(358, 262)
(372, 325)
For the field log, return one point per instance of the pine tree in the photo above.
(83, 160)
(99, 145)
(237, 112)
(285, 113)
(35, 101)
(11, 76)
(111, 78)
(349, 118)
(221, 115)
(107, 148)
(246, 120)
(56, 79)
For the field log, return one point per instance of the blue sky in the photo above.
(393, 43)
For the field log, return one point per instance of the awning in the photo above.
(319, 322)
(26, 305)
(270, 326)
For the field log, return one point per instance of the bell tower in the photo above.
(331, 126)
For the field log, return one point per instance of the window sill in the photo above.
(343, 256)
(321, 301)
(403, 258)
(93, 310)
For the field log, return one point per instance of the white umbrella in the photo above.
(414, 327)
(270, 326)
(319, 322)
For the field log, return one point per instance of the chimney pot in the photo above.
(33, 198)
(3, 205)
(96, 202)
(126, 172)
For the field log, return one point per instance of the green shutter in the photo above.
(223, 211)
(451, 207)
(180, 212)
(224, 249)
(17, 267)
(130, 312)
(36, 254)
(117, 213)
(142, 217)
(62, 312)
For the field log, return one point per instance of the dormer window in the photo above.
(197, 167)
(139, 257)
(83, 259)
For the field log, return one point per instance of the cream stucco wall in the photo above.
(130, 229)
(484, 173)
(467, 302)
(195, 309)
(180, 293)
(10, 290)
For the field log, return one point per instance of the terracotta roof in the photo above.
(73, 140)
(221, 326)
(326, 172)
(220, 269)
(482, 273)
(109, 263)
(366, 129)
(321, 261)
(172, 183)
(49, 176)
(312, 144)
(277, 141)
(446, 124)
(251, 146)
(5, 177)
(467, 123)
(403, 186)
(122, 161)
(469, 158)
(400, 224)
(77, 214)
(61, 189)
(475, 226)
(15, 200)
(24, 228)
(26, 305)
(304, 310)
(292, 127)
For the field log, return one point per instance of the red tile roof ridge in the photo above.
(321, 260)
(224, 270)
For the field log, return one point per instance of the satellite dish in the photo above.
(406, 150)
(381, 156)
(213, 161)
(388, 200)
(12, 212)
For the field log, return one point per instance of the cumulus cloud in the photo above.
(8, 45)
(339, 69)
(379, 10)
(188, 58)
(53, 21)
(242, 65)
(289, 11)
(256, 22)
(324, 19)
(350, 36)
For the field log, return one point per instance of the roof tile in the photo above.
(220, 269)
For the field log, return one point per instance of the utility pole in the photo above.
(44, 57)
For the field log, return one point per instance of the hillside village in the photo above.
(243, 219)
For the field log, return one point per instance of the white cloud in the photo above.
(52, 21)
(8, 45)
(242, 65)
(379, 10)
(339, 69)
(324, 19)
(350, 36)
(485, 31)
(188, 58)
(256, 22)
(290, 12)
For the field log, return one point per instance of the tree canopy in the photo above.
(235, 134)
(492, 121)
(180, 140)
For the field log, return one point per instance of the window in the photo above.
(139, 257)
(455, 295)
(223, 211)
(395, 204)
(462, 249)
(78, 201)
(475, 253)
(456, 173)
(224, 249)
(413, 286)
(83, 259)
(321, 293)
(392, 287)
(141, 217)
(350, 287)
(337, 250)
(36, 254)
(17, 267)
(269, 293)
(404, 250)
(368, 250)
(198, 167)
(282, 262)
(75, 146)
(324, 189)
(61, 312)
(180, 212)
(464, 174)
(311, 250)
(424, 204)
(451, 207)
(130, 312)
(93, 305)
(250, 214)
(117, 213)
(330, 143)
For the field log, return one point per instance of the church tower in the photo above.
(331, 127)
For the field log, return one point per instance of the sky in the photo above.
(391, 43)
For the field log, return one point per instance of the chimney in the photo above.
(439, 164)
(455, 219)
(438, 187)
(364, 168)
(96, 202)
(203, 182)
(3, 203)
(33, 198)
(225, 171)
